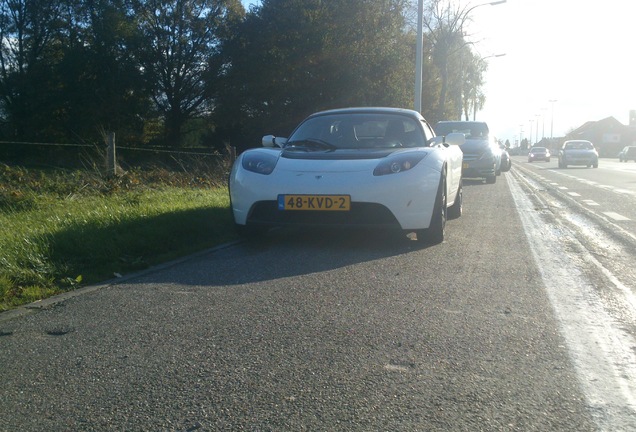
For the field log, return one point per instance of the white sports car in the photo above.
(377, 167)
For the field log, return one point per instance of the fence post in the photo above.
(111, 159)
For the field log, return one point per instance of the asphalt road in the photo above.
(322, 331)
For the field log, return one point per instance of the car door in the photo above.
(454, 157)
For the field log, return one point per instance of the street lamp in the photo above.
(420, 46)
(476, 105)
(552, 101)
(531, 121)
(543, 123)
(493, 55)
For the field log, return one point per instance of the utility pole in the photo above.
(552, 101)
(419, 56)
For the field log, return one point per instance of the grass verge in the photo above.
(60, 230)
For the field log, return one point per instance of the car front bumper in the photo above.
(403, 200)
(579, 160)
(479, 168)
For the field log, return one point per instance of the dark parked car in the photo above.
(539, 154)
(628, 153)
(506, 162)
(578, 152)
(482, 155)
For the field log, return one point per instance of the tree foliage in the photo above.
(179, 39)
(153, 70)
(293, 57)
(29, 30)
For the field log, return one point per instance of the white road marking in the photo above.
(623, 191)
(590, 202)
(602, 350)
(616, 216)
(574, 194)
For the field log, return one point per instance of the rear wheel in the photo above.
(455, 211)
(434, 234)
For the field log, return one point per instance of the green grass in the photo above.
(60, 230)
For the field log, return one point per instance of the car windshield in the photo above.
(538, 150)
(357, 131)
(469, 129)
(579, 145)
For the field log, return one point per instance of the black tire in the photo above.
(434, 234)
(250, 232)
(455, 211)
(491, 179)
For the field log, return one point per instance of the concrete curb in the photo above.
(51, 301)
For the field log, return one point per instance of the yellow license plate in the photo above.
(314, 202)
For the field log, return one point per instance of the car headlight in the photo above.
(260, 163)
(487, 156)
(398, 163)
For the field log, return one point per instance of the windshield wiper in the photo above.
(310, 144)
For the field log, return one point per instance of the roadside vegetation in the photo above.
(62, 229)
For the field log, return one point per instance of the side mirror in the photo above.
(455, 138)
(272, 141)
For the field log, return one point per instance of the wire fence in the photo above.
(95, 154)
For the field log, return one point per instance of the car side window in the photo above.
(428, 132)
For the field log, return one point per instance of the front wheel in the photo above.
(434, 234)
(249, 232)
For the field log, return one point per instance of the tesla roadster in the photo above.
(355, 167)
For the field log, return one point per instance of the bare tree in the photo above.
(444, 22)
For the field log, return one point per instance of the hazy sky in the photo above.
(577, 52)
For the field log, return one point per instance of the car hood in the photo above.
(348, 154)
(339, 154)
(475, 146)
(345, 160)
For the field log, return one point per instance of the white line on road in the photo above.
(616, 216)
(600, 347)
